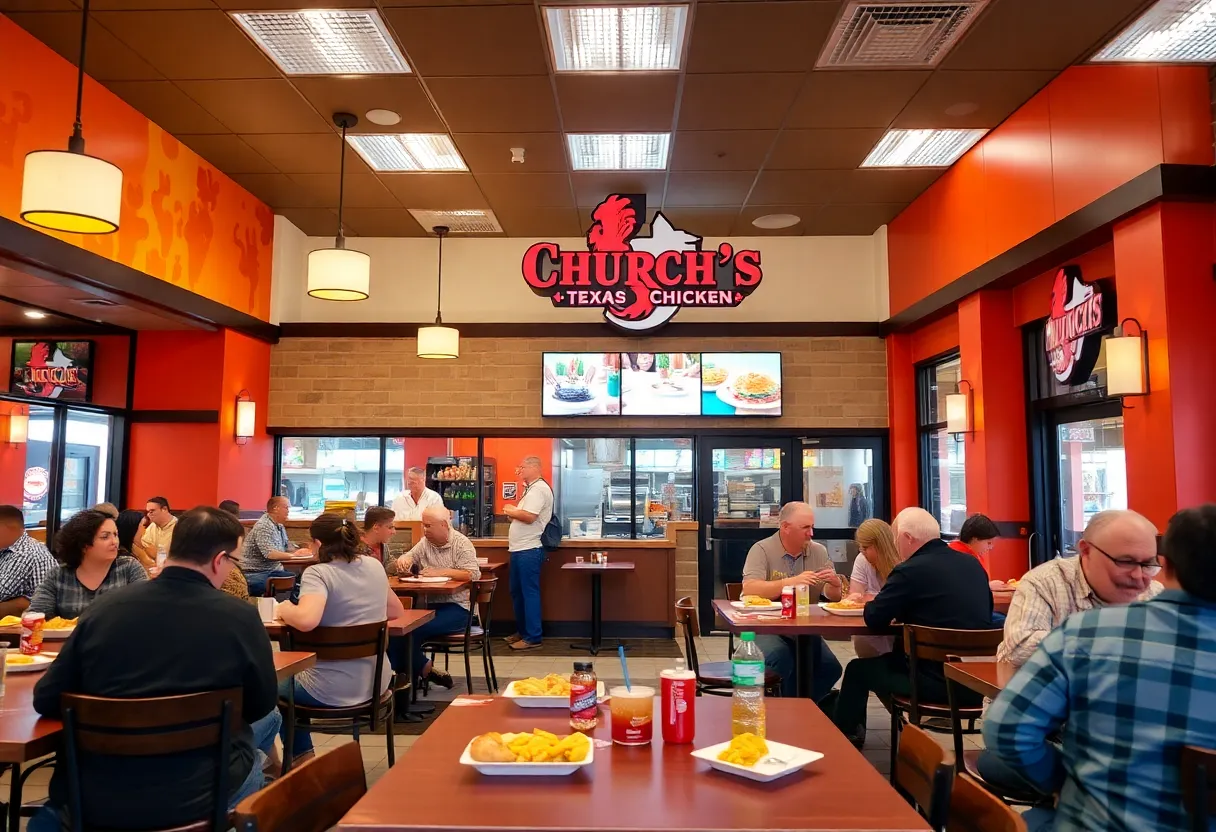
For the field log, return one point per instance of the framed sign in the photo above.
(1080, 313)
(61, 370)
(508, 490)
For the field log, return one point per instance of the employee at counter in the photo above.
(791, 558)
(417, 497)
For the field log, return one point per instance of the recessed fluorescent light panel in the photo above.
(617, 38)
(618, 151)
(325, 41)
(391, 152)
(459, 222)
(921, 148)
(1172, 31)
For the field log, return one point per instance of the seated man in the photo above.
(24, 562)
(265, 546)
(791, 558)
(442, 552)
(378, 531)
(934, 586)
(155, 533)
(175, 635)
(1127, 687)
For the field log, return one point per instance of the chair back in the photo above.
(311, 798)
(686, 620)
(151, 727)
(1198, 777)
(482, 596)
(279, 585)
(937, 644)
(407, 601)
(337, 644)
(924, 773)
(734, 592)
(975, 809)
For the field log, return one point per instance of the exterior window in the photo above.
(316, 470)
(942, 456)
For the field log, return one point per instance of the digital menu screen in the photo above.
(660, 384)
(740, 384)
(581, 384)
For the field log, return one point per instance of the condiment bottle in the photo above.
(679, 711)
(584, 697)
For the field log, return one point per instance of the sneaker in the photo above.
(513, 638)
(524, 645)
(439, 677)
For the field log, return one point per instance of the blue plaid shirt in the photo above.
(1129, 686)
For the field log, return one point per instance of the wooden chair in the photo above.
(280, 585)
(713, 678)
(734, 592)
(333, 644)
(924, 774)
(97, 726)
(312, 798)
(1198, 777)
(935, 644)
(975, 809)
(474, 637)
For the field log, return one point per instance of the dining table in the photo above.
(401, 626)
(987, 678)
(597, 572)
(632, 789)
(421, 589)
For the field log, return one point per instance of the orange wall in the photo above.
(12, 462)
(182, 220)
(1089, 131)
(244, 471)
(110, 356)
(508, 453)
(175, 461)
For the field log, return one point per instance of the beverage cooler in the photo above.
(455, 480)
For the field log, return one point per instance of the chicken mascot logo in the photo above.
(640, 282)
(1079, 312)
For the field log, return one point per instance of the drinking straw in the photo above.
(624, 667)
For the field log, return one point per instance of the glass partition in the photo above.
(665, 488)
(315, 470)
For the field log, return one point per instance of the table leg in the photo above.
(413, 711)
(597, 618)
(803, 667)
(14, 799)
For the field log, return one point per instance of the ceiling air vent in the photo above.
(459, 222)
(877, 34)
(94, 302)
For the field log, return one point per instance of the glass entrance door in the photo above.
(844, 480)
(1092, 474)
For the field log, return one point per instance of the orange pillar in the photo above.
(990, 348)
(901, 406)
(1163, 257)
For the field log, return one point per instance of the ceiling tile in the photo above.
(491, 152)
(726, 102)
(257, 106)
(591, 186)
(228, 153)
(148, 5)
(540, 223)
(854, 99)
(836, 220)
(990, 96)
(320, 190)
(704, 222)
(403, 3)
(823, 149)
(190, 44)
(9, 6)
(525, 190)
(275, 189)
(617, 103)
(315, 222)
(894, 185)
(166, 106)
(720, 149)
(107, 59)
(288, 5)
(796, 187)
(759, 37)
(400, 93)
(382, 222)
(437, 191)
(495, 105)
(493, 40)
(722, 187)
(305, 152)
(743, 223)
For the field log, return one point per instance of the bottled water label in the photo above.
(746, 674)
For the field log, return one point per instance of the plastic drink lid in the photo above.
(747, 636)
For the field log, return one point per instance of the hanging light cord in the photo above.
(76, 142)
(439, 291)
(340, 241)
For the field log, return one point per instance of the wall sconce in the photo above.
(246, 417)
(18, 425)
(959, 410)
(1127, 361)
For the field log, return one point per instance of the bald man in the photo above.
(934, 586)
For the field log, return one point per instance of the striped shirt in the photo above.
(265, 538)
(62, 594)
(23, 567)
(457, 553)
(1127, 687)
(1047, 595)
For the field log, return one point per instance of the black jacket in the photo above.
(173, 635)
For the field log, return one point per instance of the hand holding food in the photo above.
(745, 750)
(536, 747)
(551, 685)
(828, 575)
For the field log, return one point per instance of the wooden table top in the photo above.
(818, 623)
(411, 588)
(655, 787)
(985, 678)
(1001, 599)
(611, 566)
(301, 561)
(406, 624)
(492, 566)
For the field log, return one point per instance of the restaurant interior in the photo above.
(699, 259)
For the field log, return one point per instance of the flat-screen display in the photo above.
(61, 370)
(581, 384)
(741, 384)
(660, 384)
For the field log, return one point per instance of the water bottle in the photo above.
(747, 677)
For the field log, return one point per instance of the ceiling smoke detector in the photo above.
(517, 155)
(886, 34)
(385, 118)
(471, 221)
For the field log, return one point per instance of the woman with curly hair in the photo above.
(90, 565)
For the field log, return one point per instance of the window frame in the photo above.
(927, 431)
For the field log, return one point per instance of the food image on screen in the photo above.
(581, 384)
(660, 384)
(741, 384)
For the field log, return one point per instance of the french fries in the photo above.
(551, 685)
(58, 623)
(536, 747)
(744, 750)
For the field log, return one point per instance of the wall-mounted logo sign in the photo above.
(36, 483)
(53, 369)
(640, 282)
(1080, 313)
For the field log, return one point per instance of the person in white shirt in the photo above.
(876, 557)
(528, 520)
(416, 498)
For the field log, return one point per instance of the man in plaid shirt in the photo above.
(1127, 687)
(24, 562)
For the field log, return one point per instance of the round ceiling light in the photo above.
(773, 222)
(385, 118)
(963, 108)
(35, 314)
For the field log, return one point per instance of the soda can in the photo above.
(32, 624)
(787, 602)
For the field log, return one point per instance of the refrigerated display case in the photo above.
(455, 480)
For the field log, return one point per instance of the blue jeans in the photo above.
(779, 656)
(302, 742)
(525, 592)
(257, 582)
(1006, 780)
(449, 618)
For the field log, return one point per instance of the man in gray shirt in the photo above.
(791, 558)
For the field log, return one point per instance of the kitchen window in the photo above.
(943, 481)
(315, 470)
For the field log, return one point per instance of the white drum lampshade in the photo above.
(246, 418)
(1125, 365)
(339, 274)
(438, 342)
(958, 413)
(19, 425)
(66, 191)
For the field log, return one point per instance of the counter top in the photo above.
(585, 543)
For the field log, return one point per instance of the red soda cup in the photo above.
(788, 609)
(679, 709)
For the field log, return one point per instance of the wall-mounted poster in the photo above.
(827, 484)
(741, 384)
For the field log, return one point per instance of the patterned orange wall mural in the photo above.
(182, 220)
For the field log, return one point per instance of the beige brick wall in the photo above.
(686, 562)
(496, 383)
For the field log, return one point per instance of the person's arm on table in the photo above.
(406, 561)
(466, 568)
(1029, 620)
(860, 588)
(306, 615)
(892, 601)
(266, 542)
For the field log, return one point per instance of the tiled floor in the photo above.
(510, 666)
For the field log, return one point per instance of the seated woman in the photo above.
(128, 526)
(378, 531)
(977, 537)
(90, 565)
(877, 557)
(343, 590)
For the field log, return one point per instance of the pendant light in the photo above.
(68, 190)
(439, 341)
(340, 273)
